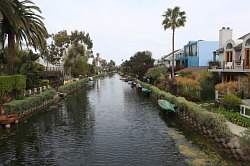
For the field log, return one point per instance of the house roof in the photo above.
(165, 56)
(170, 54)
(238, 46)
(243, 37)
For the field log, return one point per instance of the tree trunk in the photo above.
(173, 58)
(11, 52)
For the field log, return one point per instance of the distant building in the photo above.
(167, 60)
(194, 54)
(198, 53)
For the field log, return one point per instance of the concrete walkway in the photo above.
(235, 129)
(246, 102)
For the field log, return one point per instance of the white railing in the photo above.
(245, 111)
(57, 68)
(35, 91)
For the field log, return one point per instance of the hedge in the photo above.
(77, 84)
(12, 83)
(20, 106)
(215, 122)
(71, 86)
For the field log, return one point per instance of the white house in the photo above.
(167, 60)
(233, 56)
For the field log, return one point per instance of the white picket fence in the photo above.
(34, 91)
(244, 109)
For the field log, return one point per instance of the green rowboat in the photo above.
(165, 105)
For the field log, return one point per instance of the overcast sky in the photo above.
(119, 28)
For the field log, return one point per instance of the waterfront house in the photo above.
(167, 60)
(232, 59)
(194, 54)
(198, 53)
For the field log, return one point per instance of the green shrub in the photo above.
(231, 102)
(207, 83)
(44, 82)
(71, 86)
(157, 73)
(77, 84)
(10, 84)
(20, 106)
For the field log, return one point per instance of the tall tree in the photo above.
(22, 23)
(76, 60)
(173, 19)
(138, 64)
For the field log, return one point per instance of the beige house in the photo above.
(232, 59)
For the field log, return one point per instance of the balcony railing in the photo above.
(233, 66)
(57, 68)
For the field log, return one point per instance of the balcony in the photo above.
(234, 66)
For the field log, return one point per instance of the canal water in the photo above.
(108, 124)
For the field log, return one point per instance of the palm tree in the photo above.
(22, 23)
(173, 18)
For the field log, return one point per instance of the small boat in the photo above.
(167, 106)
(62, 95)
(133, 84)
(91, 83)
(145, 90)
(138, 86)
(130, 82)
(8, 119)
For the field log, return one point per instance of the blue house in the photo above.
(198, 53)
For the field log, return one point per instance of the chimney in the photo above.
(225, 34)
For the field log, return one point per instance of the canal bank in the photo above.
(210, 126)
(17, 111)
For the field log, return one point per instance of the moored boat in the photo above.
(133, 84)
(166, 106)
(130, 82)
(8, 119)
(145, 90)
(138, 86)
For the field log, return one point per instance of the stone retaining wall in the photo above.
(229, 147)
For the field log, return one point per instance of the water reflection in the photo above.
(109, 124)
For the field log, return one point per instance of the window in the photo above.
(229, 56)
(248, 43)
(229, 46)
(186, 51)
(194, 50)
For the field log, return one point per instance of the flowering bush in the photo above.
(188, 88)
(229, 87)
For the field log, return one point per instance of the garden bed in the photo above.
(21, 106)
